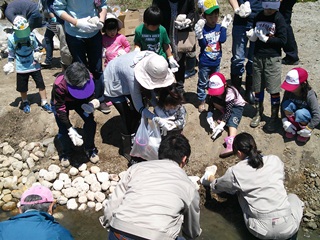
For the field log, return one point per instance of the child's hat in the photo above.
(209, 6)
(271, 4)
(294, 78)
(82, 92)
(39, 190)
(21, 27)
(112, 16)
(217, 83)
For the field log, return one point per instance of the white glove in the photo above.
(217, 130)
(261, 35)
(226, 21)
(251, 35)
(121, 52)
(169, 125)
(96, 21)
(8, 68)
(305, 133)
(210, 171)
(91, 106)
(244, 10)
(37, 56)
(174, 66)
(159, 112)
(163, 121)
(85, 25)
(137, 49)
(198, 28)
(210, 120)
(75, 137)
(288, 126)
(182, 22)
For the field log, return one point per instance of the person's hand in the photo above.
(182, 22)
(305, 133)
(75, 137)
(251, 35)
(209, 172)
(226, 21)
(8, 68)
(261, 35)
(85, 25)
(210, 120)
(244, 10)
(37, 56)
(91, 106)
(198, 28)
(288, 126)
(121, 52)
(162, 121)
(174, 66)
(217, 130)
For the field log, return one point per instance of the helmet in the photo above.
(21, 27)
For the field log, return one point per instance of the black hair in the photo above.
(305, 88)
(174, 147)
(77, 74)
(152, 16)
(169, 96)
(42, 207)
(110, 24)
(245, 143)
(216, 11)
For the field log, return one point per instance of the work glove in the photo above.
(210, 120)
(251, 35)
(288, 126)
(163, 121)
(37, 56)
(95, 20)
(244, 10)
(75, 137)
(166, 124)
(137, 49)
(159, 112)
(261, 35)
(91, 106)
(85, 25)
(305, 133)
(182, 22)
(226, 21)
(198, 28)
(210, 171)
(174, 66)
(121, 52)
(217, 130)
(8, 68)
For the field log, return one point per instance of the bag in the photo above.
(186, 41)
(146, 141)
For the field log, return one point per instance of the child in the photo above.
(269, 35)
(23, 47)
(115, 44)
(153, 37)
(170, 111)
(230, 103)
(210, 35)
(299, 107)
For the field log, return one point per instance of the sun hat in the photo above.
(216, 84)
(112, 16)
(209, 6)
(82, 92)
(152, 71)
(294, 78)
(271, 4)
(42, 191)
(21, 27)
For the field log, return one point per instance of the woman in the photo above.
(269, 212)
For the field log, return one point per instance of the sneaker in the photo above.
(47, 108)
(45, 65)
(289, 135)
(65, 162)
(287, 61)
(189, 74)
(26, 107)
(93, 155)
(104, 108)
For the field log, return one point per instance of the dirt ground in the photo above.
(300, 160)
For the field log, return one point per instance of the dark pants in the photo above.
(48, 37)
(180, 74)
(291, 48)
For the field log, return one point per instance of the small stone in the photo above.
(99, 196)
(94, 169)
(30, 146)
(50, 176)
(82, 207)
(91, 204)
(47, 141)
(72, 204)
(73, 171)
(6, 150)
(56, 194)
(22, 144)
(25, 154)
(114, 177)
(70, 192)
(54, 168)
(62, 200)
(84, 173)
(25, 172)
(17, 165)
(312, 225)
(7, 198)
(50, 150)
(63, 176)
(105, 185)
(82, 199)
(77, 181)
(30, 162)
(34, 157)
(46, 183)
(98, 207)
(9, 206)
(58, 185)
(91, 178)
(102, 176)
(90, 196)
(39, 154)
(82, 167)
(17, 156)
(95, 187)
(16, 173)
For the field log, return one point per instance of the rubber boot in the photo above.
(126, 145)
(249, 95)
(271, 126)
(228, 150)
(236, 81)
(257, 118)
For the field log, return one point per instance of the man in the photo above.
(35, 220)
(156, 199)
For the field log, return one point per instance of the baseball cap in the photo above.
(42, 191)
(21, 27)
(217, 83)
(294, 78)
(82, 92)
(271, 4)
(209, 6)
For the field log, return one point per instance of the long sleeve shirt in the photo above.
(23, 8)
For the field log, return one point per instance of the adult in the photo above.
(128, 80)
(170, 10)
(74, 90)
(170, 201)
(83, 21)
(35, 220)
(291, 48)
(245, 11)
(268, 211)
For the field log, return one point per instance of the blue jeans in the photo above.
(240, 52)
(48, 37)
(204, 73)
(300, 115)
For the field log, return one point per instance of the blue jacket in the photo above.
(33, 225)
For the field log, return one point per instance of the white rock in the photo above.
(70, 192)
(22, 144)
(83, 193)
(46, 183)
(95, 187)
(98, 207)
(91, 178)
(50, 150)
(99, 196)
(76, 181)
(82, 207)
(63, 176)
(25, 165)
(56, 194)
(17, 165)
(105, 185)
(24, 180)
(122, 174)
(7, 150)
(90, 196)
(42, 172)
(82, 199)
(82, 167)
(47, 141)
(62, 200)
(91, 204)
(54, 168)
(84, 173)
(2, 158)
(25, 154)
(83, 187)
(58, 185)
(6, 163)
(111, 188)
(73, 171)
(102, 176)
(34, 157)
(58, 215)
(30, 146)
(94, 169)
(25, 172)
(50, 176)
(72, 204)
(17, 156)
(30, 162)
(3, 144)
(67, 183)
(114, 177)
(16, 173)
(39, 154)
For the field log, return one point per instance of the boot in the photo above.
(228, 150)
(126, 145)
(249, 95)
(271, 126)
(236, 81)
(257, 118)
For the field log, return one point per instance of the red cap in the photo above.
(294, 78)
(216, 84)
